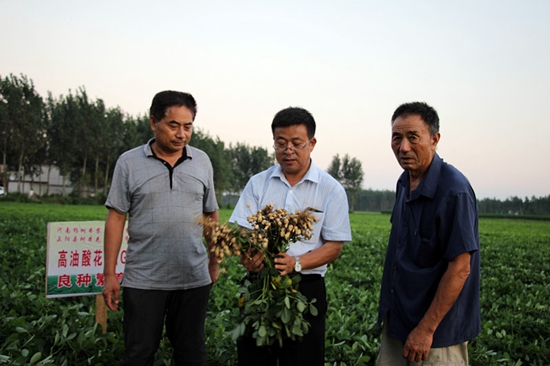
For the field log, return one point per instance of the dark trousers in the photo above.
(309, 352)
(146, 312)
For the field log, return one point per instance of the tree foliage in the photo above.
(83, 138)
(220, 160)
(246, 161)
(349, 172)
(23, 116)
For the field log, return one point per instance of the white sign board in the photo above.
(74, 258)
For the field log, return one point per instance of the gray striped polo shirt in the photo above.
(165, 248)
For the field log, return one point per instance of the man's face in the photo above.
(294, 158)
(412, 144)
(174, 131)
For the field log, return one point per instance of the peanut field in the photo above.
(515, 293)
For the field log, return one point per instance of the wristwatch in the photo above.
(298, 265)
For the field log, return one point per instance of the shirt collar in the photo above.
(312, 174)
(149, 151)
(428, 185)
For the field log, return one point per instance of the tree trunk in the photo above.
(106, 182)
(48, 180)
(96, 178)
(5, 178)
(83, 189)
(20, 170)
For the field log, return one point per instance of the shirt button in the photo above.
(392, 291)
(290, 192)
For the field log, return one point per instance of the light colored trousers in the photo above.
(391, 354)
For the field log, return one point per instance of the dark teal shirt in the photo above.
(430, 227)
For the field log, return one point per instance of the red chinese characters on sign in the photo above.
(83, 279)
(79, 259)
(100, 280)
(62, 262)
(84, 258)
(78, 235)
(75, 258)
(98, 257)
(64, 281)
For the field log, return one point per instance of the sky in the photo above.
(483, 65)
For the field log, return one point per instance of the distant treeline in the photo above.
(516, 206)
(371, 200)
(83, 139)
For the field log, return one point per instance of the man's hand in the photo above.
(418, 344)
(253, 261)
(111, 292)
(114, 226)
(285, 263)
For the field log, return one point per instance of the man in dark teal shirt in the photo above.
(429, 301)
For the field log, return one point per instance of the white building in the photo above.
(49, 181)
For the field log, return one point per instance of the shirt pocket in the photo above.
(427, 252)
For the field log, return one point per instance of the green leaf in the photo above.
(237, 332)
(36, 357)
(286, 315)
(300, 306)
(313, 310)
(287, 302)
(262, 331)
(297, 331)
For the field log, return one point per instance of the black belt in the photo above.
(307, 277)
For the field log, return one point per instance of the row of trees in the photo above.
(516, 206)
(349, 172)
(371, 200)
(83, 138)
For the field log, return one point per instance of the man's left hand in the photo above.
(285, 263)
(418, 344)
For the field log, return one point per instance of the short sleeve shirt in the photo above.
(317, 190)
(431, 227)
(165, 248)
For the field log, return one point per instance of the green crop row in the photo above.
(62, 331)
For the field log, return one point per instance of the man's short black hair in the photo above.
(169, 98)
(427, 113)
(294, 116)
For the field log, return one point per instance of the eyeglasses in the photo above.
(283, 145)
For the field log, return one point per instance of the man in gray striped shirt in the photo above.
(295, 183)
(163, 187)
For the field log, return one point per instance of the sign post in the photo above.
(101, 313)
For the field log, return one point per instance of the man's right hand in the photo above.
(111, 292)
(253, 262)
